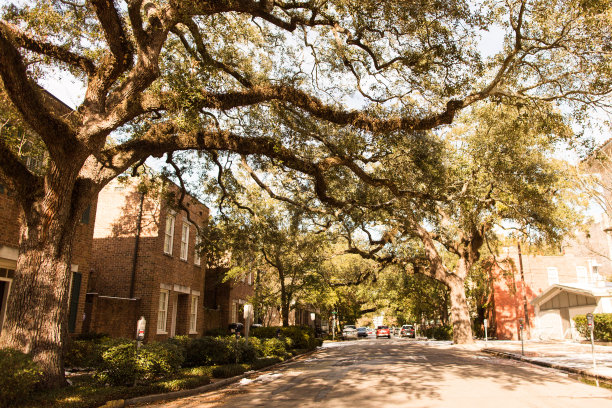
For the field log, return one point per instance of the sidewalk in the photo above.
(567, 356)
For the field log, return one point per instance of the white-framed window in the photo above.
(581, 274)
(553, 275)
(162, 312)
(185, 241)
(169, 236)
(193, 316)
(234, 312)
(196, 252)
(250, 278)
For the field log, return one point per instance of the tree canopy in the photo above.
(322, 89)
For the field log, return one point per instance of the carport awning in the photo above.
(576, 295)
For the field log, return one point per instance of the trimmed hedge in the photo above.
(124, 365)
(301, 337)
(19, 375)
(602, 326)
(439, 332)
(229, 370)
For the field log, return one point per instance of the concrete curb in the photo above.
(573, 370)
(198, 390)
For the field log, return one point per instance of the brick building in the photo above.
(224, 300)
(144, 262)
(514, 292)
(10, 224)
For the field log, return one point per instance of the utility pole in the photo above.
(524, 285)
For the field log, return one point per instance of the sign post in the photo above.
(334, 325)
(140, 334)
(486, 324)
(248, 312)
(522, 337)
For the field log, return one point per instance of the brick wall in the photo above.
(114, 256)
(116, 317)
(509, 289)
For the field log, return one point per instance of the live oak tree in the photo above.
(165, 76)
(496, 171)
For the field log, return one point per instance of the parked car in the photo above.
(370, 331)
(407, 331)
(383, 331)
(349, 332)
(362, 332)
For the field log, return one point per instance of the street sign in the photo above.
(140, 328)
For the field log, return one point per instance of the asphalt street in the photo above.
(403, 373)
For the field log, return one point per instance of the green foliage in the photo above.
(216, 332)
(439, 332)
(602, 326)
(301, 337)
(19, 376)
(122, 365)
(119, 365)
(158, 360)
(88, 353)
(230, 370)
(274, 348)
(265, 362)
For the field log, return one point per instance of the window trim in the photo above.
(197, 259)
(193, 315)
(184, 254)
(164, 329)
(552, 269)
(169, 235)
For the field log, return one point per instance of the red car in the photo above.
(383, 331)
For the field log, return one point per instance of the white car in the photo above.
(349, 331)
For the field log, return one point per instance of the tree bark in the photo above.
(460, 314)
(36, 320)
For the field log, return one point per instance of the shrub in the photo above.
(158, 360)
(439, 332)
(217, 332)
(83, 354)
(265, 362)
(119, 365)
(274, 348)
(229, 370)
(301, 337)
(19, 375)
(98, 337)
(203, 351)
(602, 326)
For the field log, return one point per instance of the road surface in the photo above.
(403, 373)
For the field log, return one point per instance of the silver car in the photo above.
(349, 331)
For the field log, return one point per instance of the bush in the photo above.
(158, 360)
(88, 353)
(82, 354)
(229, 370)
(602, 326)
(439, 332)
(119, 365)
(19, 375)
(265, 362)
(204, 351)
(274, 348)
(301, 337)
(217, 332)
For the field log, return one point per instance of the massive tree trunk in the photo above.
(36, 313)
(460, 313)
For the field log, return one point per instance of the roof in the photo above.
(581, 289)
